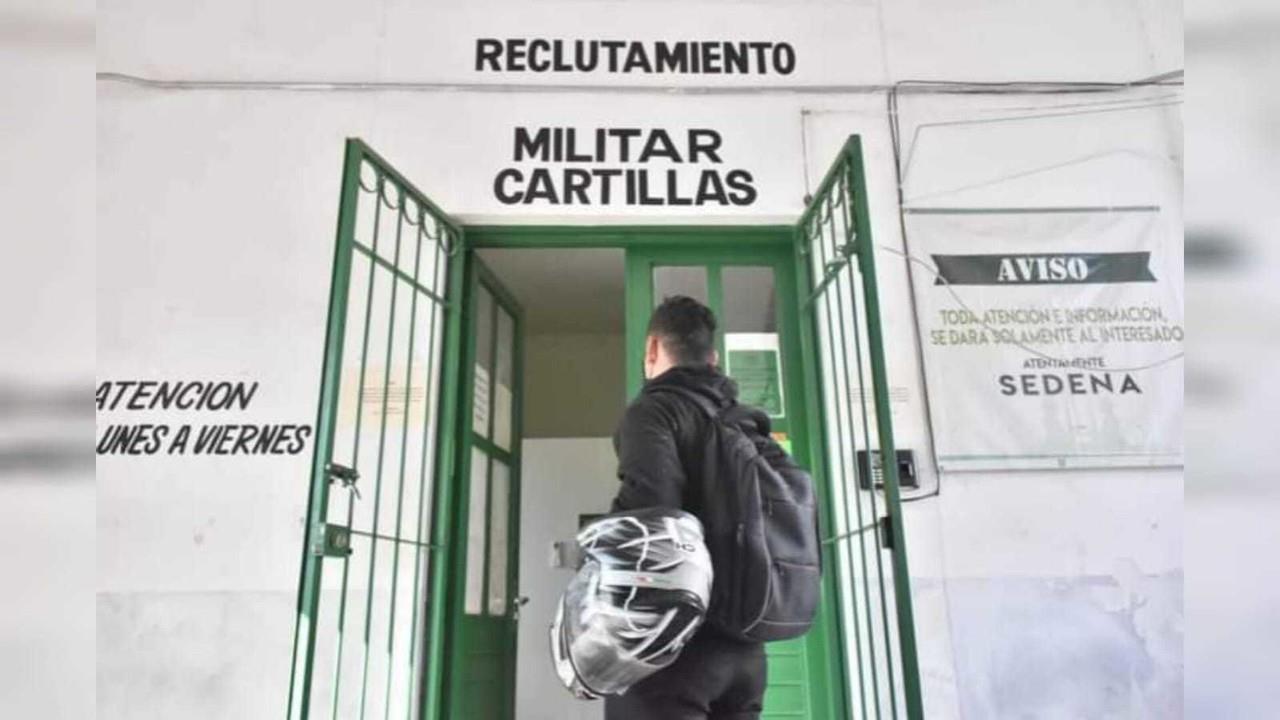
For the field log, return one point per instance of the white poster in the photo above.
(1051, 339)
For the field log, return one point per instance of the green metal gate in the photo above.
(365, 622)
(835, 257)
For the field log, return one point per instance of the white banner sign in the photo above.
(1050, 339)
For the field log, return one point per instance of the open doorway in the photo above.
(581, 314)
(574, 391)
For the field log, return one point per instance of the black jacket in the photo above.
(662, 436)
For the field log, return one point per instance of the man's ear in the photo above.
(715, 359)
(651, 348)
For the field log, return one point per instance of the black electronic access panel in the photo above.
(906, 470)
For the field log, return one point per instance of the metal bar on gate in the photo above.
(843, 476)
(318, 501)
(843, 186)
(382, 446)
(404, 454)
(880, 410)
(843, 536)
(355, 452)
(884, 423)
(419, 645)
(393, 539)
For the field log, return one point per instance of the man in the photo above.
(659, 443)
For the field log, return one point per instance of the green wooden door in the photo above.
(751, 289)
(485, 607)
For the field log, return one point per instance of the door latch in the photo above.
(328, 540)
(519, 603)
(886, 532)
(345, 475)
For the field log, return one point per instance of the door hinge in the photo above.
(328, 540)
(886, 532)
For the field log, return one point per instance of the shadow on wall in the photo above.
(1100, 647)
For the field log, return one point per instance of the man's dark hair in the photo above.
(686, 328)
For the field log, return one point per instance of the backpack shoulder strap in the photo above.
(702, 401)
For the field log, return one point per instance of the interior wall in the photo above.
(560, 479)
(560, 402)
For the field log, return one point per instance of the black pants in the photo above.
(713, 679)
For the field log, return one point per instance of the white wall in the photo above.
(842, 43)
(1061, 592)
(561, 479)
(555, 365)
(46, 491)
(1042, 594)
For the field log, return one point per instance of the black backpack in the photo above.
(757, 508)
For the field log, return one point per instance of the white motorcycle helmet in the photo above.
(641, 592)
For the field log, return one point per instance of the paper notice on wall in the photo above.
(1051, 339)
(753, 361)
(480, 402)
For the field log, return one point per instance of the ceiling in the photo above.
(563, 290)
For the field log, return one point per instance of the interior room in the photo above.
(574, 391)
